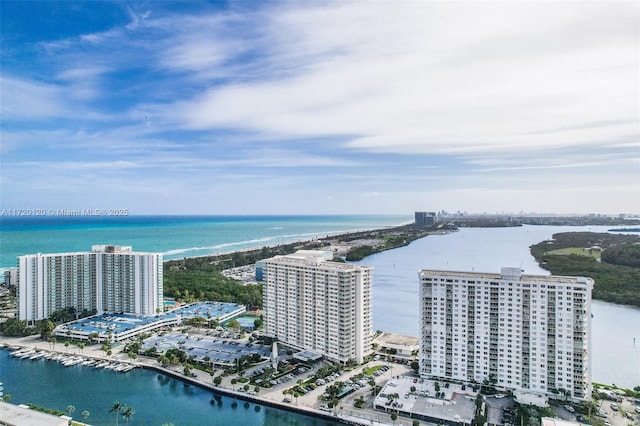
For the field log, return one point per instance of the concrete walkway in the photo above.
(309, 403)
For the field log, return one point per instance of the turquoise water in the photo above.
(174, 236)
(156, 398)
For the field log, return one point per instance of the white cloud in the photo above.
(23, 99)
(397, 80)
(368, 101)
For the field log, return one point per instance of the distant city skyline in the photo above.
(320, 108)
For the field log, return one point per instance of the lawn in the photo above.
(370, 370)
(579, 251)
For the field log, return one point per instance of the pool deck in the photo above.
(120, 327)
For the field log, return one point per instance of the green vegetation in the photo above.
(188, 284)
(15, 328)
(578, 251)
(47, 410)
(369, 371)
(200, 278)
(616, 276)
(387, 240)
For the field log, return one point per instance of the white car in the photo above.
(570, 408)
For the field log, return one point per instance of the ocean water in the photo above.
(615, 332)
(174, 236)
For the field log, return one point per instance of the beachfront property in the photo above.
(312, 303)
(425, 218)
(120, 327)
(10, 277)
(523, 333)
(109, 278)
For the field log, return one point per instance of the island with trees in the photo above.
(611, 260)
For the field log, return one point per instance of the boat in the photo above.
(27, 354)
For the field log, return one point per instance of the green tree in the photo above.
(66, 345)
(85, 415)
(116, 408)
(394, 417)
(71, 409)
(127, 413)
(233, 324)
(162, 359)
(416, 422)
(217, 380)
(257, 389)
(46, 328)
(257, 323)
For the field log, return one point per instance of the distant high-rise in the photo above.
(315, 304)
(425, 218)
(524, 333)
(107, 279)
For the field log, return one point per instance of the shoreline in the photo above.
(34, 342)
(336, 234)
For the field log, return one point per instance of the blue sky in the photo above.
(320, 107)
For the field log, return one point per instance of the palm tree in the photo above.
(394, 417)
(117, 406)
(127, 413)
(71, 409)
(85, 415)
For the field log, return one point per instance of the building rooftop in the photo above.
(313, 258)
(507, 274)
(548, 421)
(96, 249)
(118, 323)
(22, 415)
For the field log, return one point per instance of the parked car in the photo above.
(614, 407)
(570, 408)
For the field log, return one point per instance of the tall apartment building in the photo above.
(426, 218)
(312, 303)
(528, 334)
(107, 279)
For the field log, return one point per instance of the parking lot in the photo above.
(622, 412)
(220, 352)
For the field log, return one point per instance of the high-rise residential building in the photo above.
(426, 218)
(528, 334)
(107, 279)
(313, 303)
